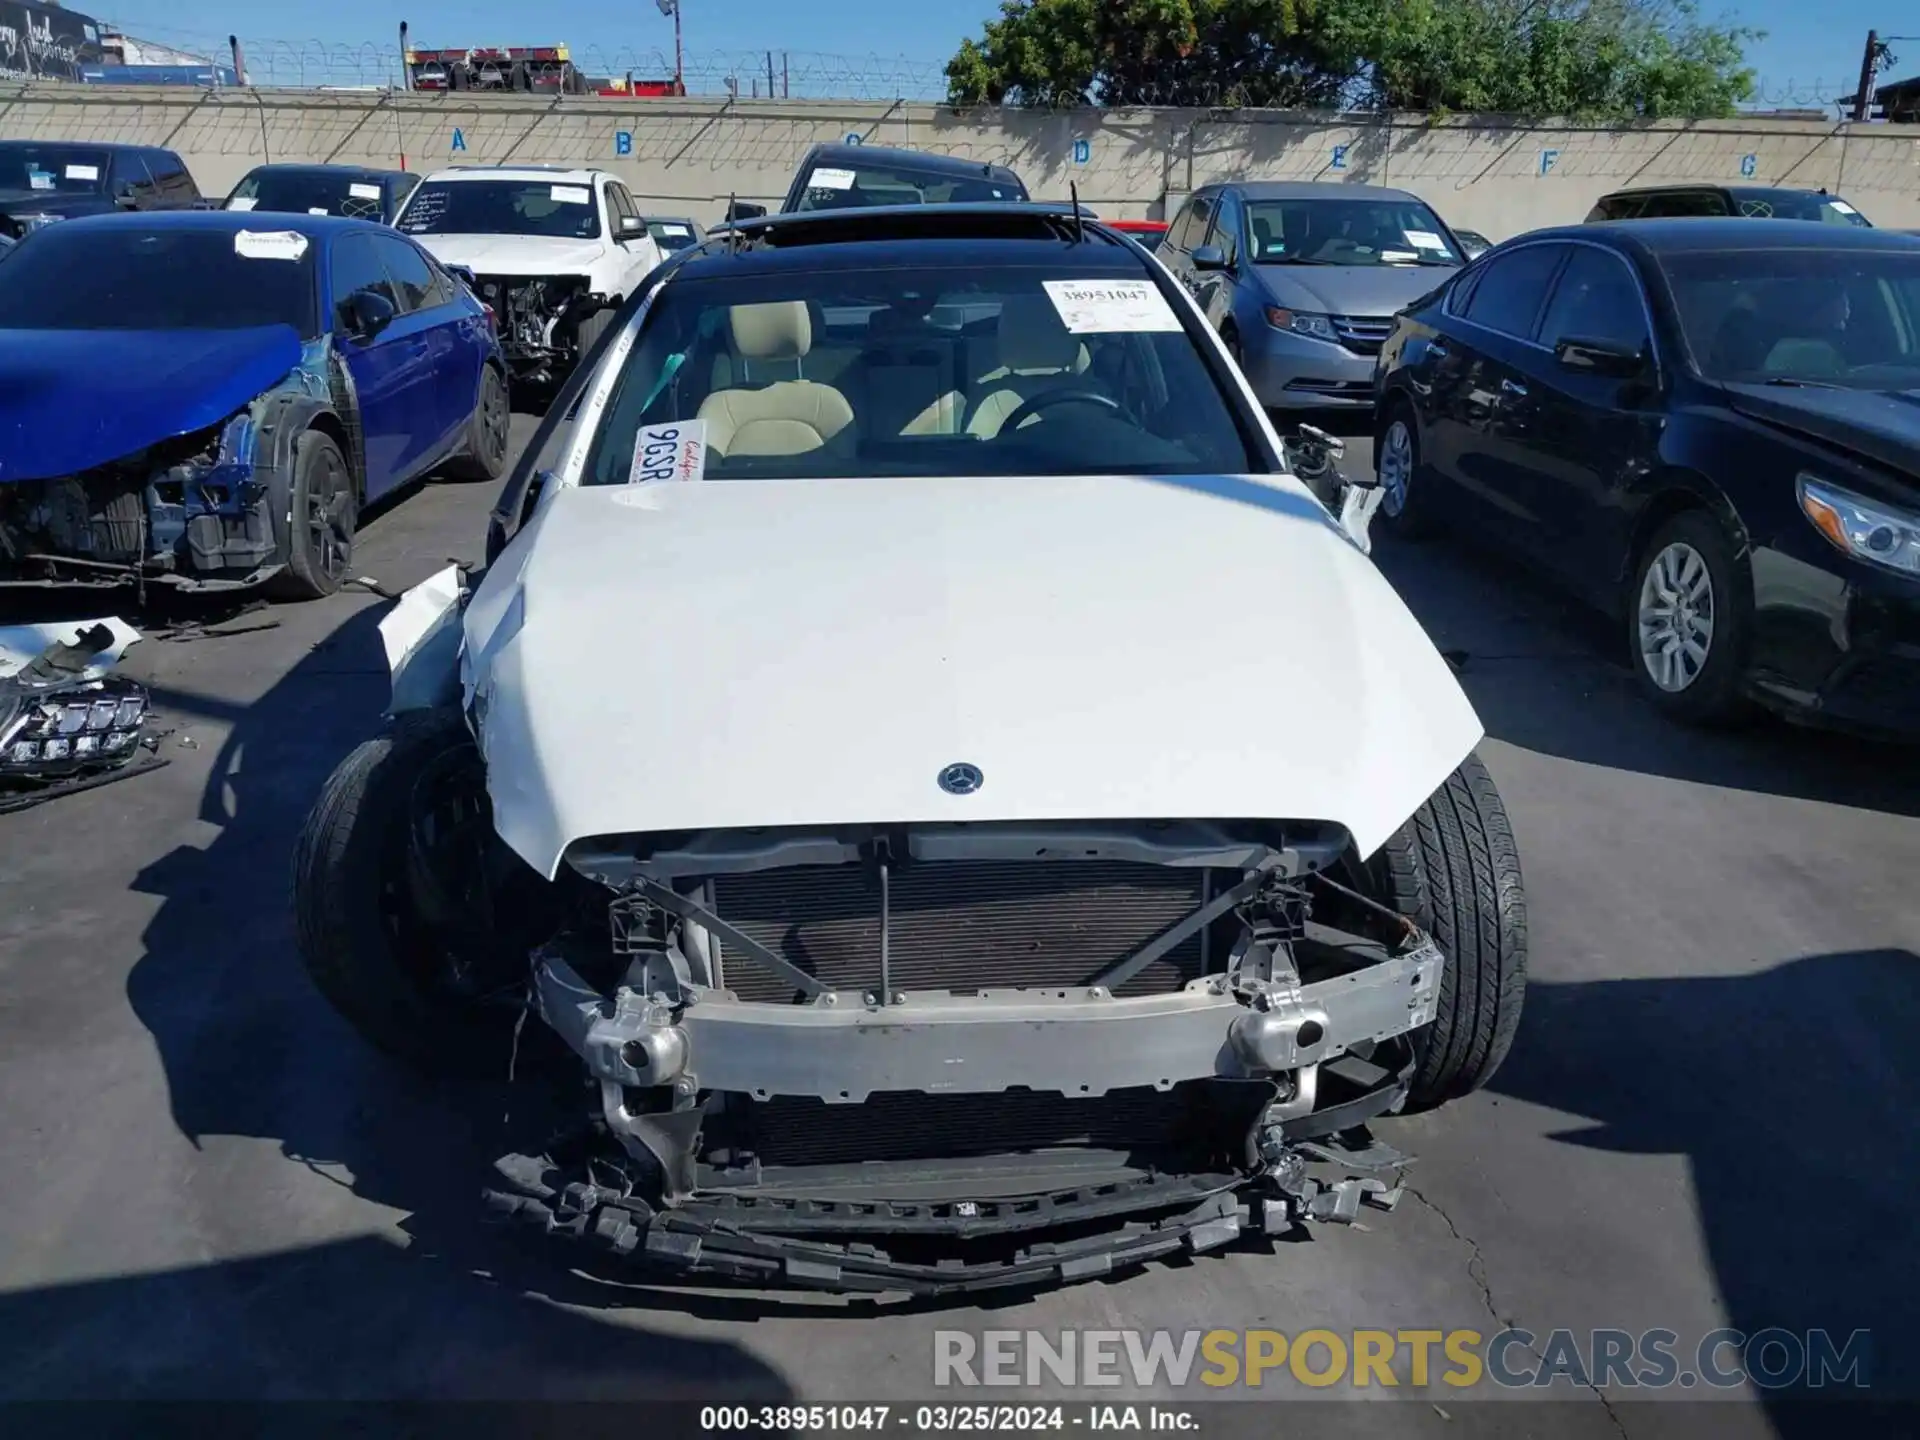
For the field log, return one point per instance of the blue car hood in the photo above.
(73, 399)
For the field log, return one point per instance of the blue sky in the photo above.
(1807, 43)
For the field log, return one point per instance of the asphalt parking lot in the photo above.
(213, 1189)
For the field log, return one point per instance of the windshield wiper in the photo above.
(1791, 383)
(1292, 260)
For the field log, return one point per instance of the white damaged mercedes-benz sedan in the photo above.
(951, 807)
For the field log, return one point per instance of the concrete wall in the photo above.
(1496, 175)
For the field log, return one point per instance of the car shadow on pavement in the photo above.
(329, 1301)
(1791, 1093)
(1550, 675)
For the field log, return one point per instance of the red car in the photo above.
(1148, 232)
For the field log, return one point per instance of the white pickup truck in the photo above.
(552, 252)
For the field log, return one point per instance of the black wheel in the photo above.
(484, 456)
(411, 917)
(323, 507)
(1690, 622)
(1453, 868)
(1405, 500)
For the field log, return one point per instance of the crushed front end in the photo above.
(189, 511)
(952, 1057)
(538, 320)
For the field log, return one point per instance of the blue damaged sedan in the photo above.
(205, 400)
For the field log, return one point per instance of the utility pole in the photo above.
(672, 7)
(1869, 62)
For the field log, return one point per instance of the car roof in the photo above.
(293, 167)
(557, 173)
(916, 159)
(117, 145)
(1309, 190)
(315, 227)
(1676, 234)
(1715, 187)
(978, 237)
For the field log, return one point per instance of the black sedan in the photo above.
(350, 190)
(1710, 428)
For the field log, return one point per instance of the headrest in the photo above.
(1032, 336)
(779, 330)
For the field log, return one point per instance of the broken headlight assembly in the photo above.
(93, 724)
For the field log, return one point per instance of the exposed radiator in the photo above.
(961, 925)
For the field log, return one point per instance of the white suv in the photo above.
(551, 251)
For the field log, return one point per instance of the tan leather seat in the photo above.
(1037, 353)
(788, 417)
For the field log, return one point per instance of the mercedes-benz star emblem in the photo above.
(961, 779)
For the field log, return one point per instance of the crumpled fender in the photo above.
(422, 638)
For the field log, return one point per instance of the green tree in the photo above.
(1590, 59)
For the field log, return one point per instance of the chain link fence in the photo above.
(282, 63)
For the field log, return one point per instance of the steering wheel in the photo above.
(1048, 398)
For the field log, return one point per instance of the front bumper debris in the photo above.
(881, 1248)
(66, 722)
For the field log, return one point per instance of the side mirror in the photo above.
(1600, 357)
(631, 227)
(1210, 257)
(124, 197)
(367, 313)
(465, 276)
(745, 210)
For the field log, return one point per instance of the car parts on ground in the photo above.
(66, 721)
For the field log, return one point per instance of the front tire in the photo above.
(1690, 622)
(1405, 504)
(323, 511)
(1453, 868)
(489, 428)
(441, 998)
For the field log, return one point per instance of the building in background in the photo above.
(128, 60)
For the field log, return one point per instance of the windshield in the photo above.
(995, 370)
(1347, 232)
(673, 234)
(312, 192)
(1828, 316)
(1798, 205)
(838, 187)
(502, 207)
(53, 169)
(134, 278)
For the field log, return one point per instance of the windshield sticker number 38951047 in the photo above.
(673, 451)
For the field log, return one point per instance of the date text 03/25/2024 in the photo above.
(943, 1419)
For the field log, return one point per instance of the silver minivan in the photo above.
(1302, 280)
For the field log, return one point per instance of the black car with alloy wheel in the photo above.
(1708, 427)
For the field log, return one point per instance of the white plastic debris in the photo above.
(19, 644)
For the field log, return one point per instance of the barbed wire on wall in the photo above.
(285, 63)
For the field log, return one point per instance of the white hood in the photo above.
(815, 652)
(515, 254)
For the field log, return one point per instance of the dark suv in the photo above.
(44, 181)
(839, 177)
(1754, 202)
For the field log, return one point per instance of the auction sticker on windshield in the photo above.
(831, 180)
(269, 244)
(1424, 240)
(364, 192)
(572, 195)
(676, 450)
(1100, 307)
(83, 172)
